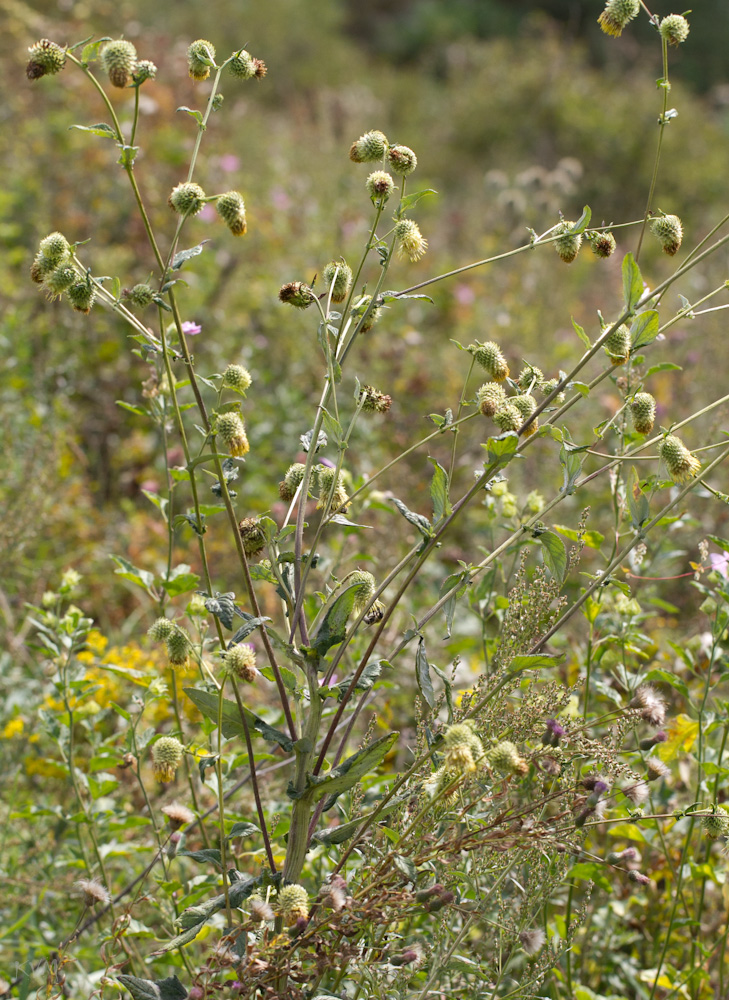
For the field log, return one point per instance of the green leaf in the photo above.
(334, 626)
(409, 200)
(180, 581)
(406, 866)
(555, 554)
(632, 282)
(243, 830)
(582, 223)
(365, 680)
(101, 129)
(349, 772)
(534, 661)
(209, 854)
(158, 989)
(128, 155)
(644, 329)
(223, 607)
(422, 674)
(500, 450)
(571, 461)
(332, 427)
(194, 918)
(439, 486)
(161, 503)
(417, 520)
(588, 871)
(250, 625)
(664, 366)
(449, 608)
(90, 52)
(581, 334)
(637, 500)
(179, 259)
(207, 702)
(139, 410)
(592, 539)
(141, 577)
(197, 115)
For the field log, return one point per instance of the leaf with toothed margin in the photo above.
(179, 259)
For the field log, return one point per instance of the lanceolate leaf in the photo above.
(555, 554)
(637, 501)
(334, 627)
(158, 989)
(439, 487)
(207, 702)
(350, 771)
(422, 673)
(644, 329)
(632, 282)
(179, 259)
(420, 522)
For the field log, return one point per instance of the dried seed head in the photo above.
(119, 60)
(167, 754)
(650, 704)
(339, 272)
(178, 815)
(674, 28)
(240, 660)
(617, 14)
(680, 464)
(296, 293)
(603, 245)
(506, 758)
(490, 398)
(380, 186)
(369, 147)
(374, 401)
(508, 418)
(643, 409)
(402, 160)
(655, 769)
(141, 296)
(532, 941)
(200, 59)
(237, 377)
(716, 824)
(46, 59)
(617, 346)
(145, 70)
(411, 244)
(637, 793)
(293, 903)
(161, 630)
(93, 891)
(260, 910)
(490, 358)
(242, 65)
(232, 210)
(526, 405)
(567, 244)
(251, 533)
(186, 199)
(290, 483)
(178, 647)
(82, 295)
(668, 231)
(231, 430)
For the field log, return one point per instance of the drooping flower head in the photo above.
(617, 14)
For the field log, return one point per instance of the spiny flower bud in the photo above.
(668, 231)
(529, 378)
(508, 418)
(339, 272)
(119, 60)
(242, 65)
(374, 401)
(40, 268)
(380, 186)
(411, 244)
(330, 482)
(200, 57)
(369, 147)
(55, 249)
(359, 310)
(167, 754)
(296, 293)
(46, 59)
(402, 160)
(293, 903)
(60, 280)
(231, 209)
(490, 398)
(491, 359)
(363, 599)
(178, 647)
(251, 533)
(526, 405)
(603, 245)
(567, 244)
(617, 14)
(232, 432)
(639, 878)
(82, 295)
(549, 386)
(506, 758)
(145, 70)
(161, 630)
(716, 824)
(617, 346)
(643, 409)
(680, 464)
(237, 377)
(290, 483)
(140, 295)
(241, 661)
(187, 198)
(674, 29)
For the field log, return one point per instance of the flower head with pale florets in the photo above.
(411, 244)
(680, 464)
(617, 14)
(167, 754)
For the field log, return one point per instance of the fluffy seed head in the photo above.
(669, 232)
(260, 910)
(296, 293)
(374, 401)
(231, 430)
(643, 409)
(680, 464)
(93, 891)
(46, 59)
(532, 941)
(339, 272)
(161, 630)
(119, 60)
(242, 65)
(241, 661)
(491, 359)
(617, 14)
(60, 280)
(290, 483)
(186, 199)
(526, 405)
(293, 903)
(637, 793)
(178, 815)
(380, 186)
(716, 824)
(251, 533)
(402, 160)
(55, 249)
(506, 758)
(567, 245)
(200, 56)
(603, 245)
(369, 147)
(655, 769)
(490, 398)
(650, 704)
(82, 295)
(178, 647)
(617, 346)
(411, 244)
(167, 754)
(140, 295)
(145, 70)
(674, 28)
(231, 209)
(237, 377)
(508, 418)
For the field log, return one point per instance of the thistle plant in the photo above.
(321, 852)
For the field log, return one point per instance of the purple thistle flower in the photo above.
(191, 329)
